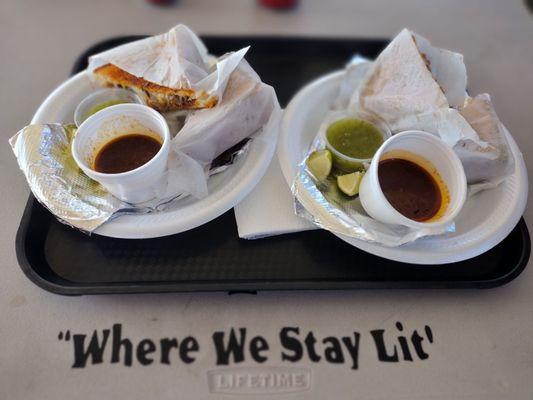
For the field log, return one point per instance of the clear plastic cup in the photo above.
(110, 96)
(350, 164)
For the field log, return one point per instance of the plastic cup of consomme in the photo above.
(415, 179)
(125, 148)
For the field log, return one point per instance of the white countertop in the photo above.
(483, 341)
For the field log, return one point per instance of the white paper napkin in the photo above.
(268, 210)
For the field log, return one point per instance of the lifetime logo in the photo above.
(259, 380)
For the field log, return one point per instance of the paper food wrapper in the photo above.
(413, 85)
(177, 59)
(410, 86)
(248, 106)
(248, 109)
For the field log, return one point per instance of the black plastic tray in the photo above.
(212, 257)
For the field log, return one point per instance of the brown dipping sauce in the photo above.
(126, 153)
(409, 188)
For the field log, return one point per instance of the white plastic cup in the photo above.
(430, 148)
(140, 184)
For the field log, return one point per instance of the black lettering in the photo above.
(145, 347)
(333, 352)
(167, 345)
(353, 348)
(417, 344)
(188, 345)
(427, 329)
(118, 342)
(405, 348)
(95, 350)
(381, 348)
(234, 348)
(291, 344)
(257, 345)
(403, 343)
(310, 342)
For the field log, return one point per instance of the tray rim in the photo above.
(81, 61)
(246, 286)
(250, 286)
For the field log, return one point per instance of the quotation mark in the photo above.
(66, 337)
(429, 333)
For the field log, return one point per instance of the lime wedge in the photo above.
(319, 163)
(349, 184)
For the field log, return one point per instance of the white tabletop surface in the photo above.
(483, 340)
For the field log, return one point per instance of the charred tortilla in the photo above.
(156, 96)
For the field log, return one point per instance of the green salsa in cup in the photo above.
(354, 141)
(101, 99)
(101, 106)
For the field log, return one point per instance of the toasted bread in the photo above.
(156, 96)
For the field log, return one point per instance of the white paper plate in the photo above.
(485, 220)
(225, 189)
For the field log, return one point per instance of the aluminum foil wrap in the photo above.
(44, 155)
(326, 206)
